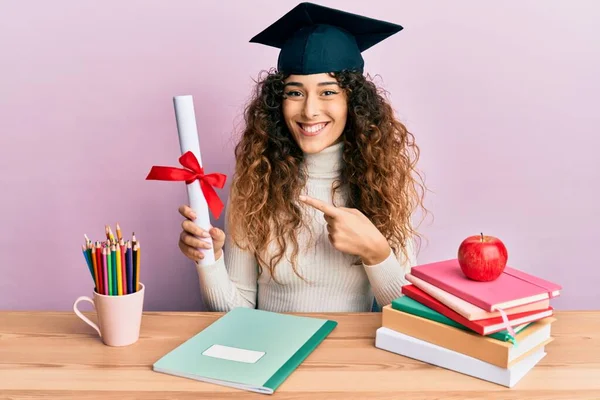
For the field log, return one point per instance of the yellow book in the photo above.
(493, 351)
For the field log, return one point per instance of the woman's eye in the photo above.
(329, 92)
(293, 93)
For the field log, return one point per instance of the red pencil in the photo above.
(100, 267)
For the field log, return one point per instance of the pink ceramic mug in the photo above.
(119, 317)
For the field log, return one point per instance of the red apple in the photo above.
(482, 258)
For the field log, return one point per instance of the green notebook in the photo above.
(411, 306)
(247, 349)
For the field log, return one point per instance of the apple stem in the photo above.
(482, 236)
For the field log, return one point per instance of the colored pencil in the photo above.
(119, 236)
(134, 265)
(119, 270)
(102, 259)
(110, 271)
(87, 260)
(137, 267)
(98, 256)
(123, 268)
(106, 267)
(113, 267)
(129, 268)
(92, 253)
(114, 263)
(91, 258)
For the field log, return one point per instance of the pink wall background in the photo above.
(502, 98)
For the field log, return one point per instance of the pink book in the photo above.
(512, 288)
(470, 311)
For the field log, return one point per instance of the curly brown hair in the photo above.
(379, 156)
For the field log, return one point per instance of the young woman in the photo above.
(319, 214)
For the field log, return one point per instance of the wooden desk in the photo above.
(56, 355)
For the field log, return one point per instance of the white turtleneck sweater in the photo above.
(333, 283)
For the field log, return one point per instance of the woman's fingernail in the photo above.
(193, 215)
(205, 234)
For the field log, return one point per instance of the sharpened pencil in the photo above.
(118, 269)
(137, 267)
(123, 268)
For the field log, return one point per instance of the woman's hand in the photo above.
(350, 231)
(189, 243)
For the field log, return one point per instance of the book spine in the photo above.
(452, 290)
(451, 338)
(443, 319)
(303, 352)
(432, 315)
(442, 299)
(445, 311)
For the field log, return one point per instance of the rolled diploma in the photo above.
(188, 141)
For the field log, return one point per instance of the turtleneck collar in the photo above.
(325, 164)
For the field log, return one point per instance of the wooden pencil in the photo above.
(87, 260)
(111, 277)
(113, 267)
(108, 275)
(119, 236)
(129, 262)
(92, 252)
(101, 270)
(123, 268)
(137, 267)
(117, 249)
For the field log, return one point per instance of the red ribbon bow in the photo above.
(193, 172)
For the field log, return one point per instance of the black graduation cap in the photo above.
(315, 39)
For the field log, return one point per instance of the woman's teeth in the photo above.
(313, 128)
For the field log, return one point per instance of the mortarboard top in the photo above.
(315, 39)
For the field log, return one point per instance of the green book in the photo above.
(411, 306)
(247, 349)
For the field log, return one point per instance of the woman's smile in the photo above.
(312, 129)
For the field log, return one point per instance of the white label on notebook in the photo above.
(233, 354)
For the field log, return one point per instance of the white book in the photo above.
(408, 346)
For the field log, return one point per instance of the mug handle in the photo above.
(83, 317)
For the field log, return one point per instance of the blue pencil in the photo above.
(129, 267)
(88, 262)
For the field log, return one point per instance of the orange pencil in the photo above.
(119, 236)
(137, 267)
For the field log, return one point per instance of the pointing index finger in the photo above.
(327, 209)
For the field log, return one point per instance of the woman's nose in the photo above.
(311, 108)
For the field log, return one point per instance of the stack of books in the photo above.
(496, 331)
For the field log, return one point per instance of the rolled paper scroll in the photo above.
(201, 195)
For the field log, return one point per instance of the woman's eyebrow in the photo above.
(299, 84)
(327, 83)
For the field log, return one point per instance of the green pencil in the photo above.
(109, 270)
(113, 266)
